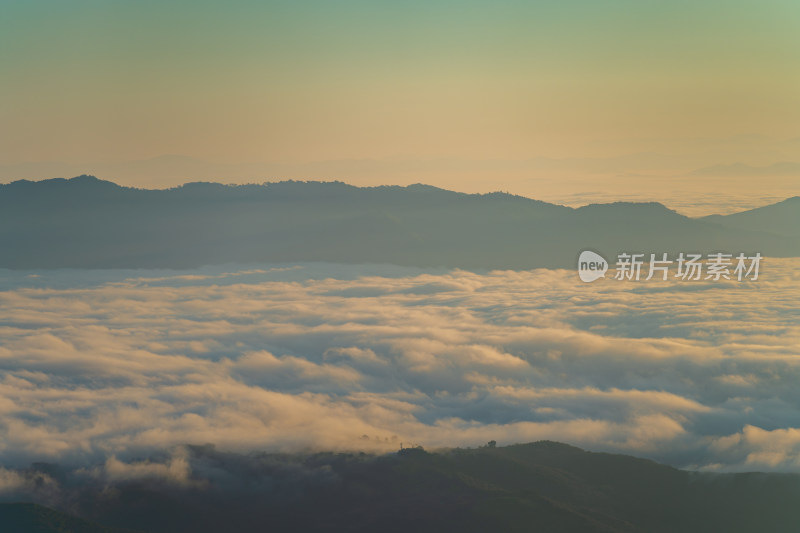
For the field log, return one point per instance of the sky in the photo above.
(560, 101)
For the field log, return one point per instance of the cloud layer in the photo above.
(100, 369)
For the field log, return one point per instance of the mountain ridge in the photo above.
(544, 485)
(85, 222)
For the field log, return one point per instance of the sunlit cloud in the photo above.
(329, 357)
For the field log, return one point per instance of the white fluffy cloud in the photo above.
(101, 368)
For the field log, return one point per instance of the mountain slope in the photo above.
(543, 486)
(782, 218)
(32, 518)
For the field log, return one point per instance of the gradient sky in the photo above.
(93, 82)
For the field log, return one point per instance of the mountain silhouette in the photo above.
(84, 222)
(782, 218)
(542, 486)
(33, 518)
(783, 168)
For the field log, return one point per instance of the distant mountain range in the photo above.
(544, 486)
(84, 222)
(783, 168)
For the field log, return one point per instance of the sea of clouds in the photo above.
(105, 370)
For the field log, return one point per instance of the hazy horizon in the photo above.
(573, 102)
